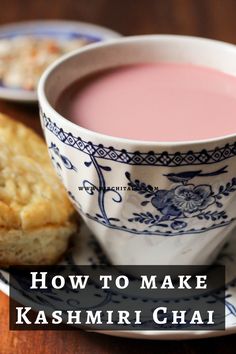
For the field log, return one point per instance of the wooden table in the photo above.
(208, 18)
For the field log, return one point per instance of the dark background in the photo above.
(207, 18)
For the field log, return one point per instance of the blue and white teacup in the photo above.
(145, 202)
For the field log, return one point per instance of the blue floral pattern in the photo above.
(183, 200)
(65, 161)
(177, 206)
(190, 198)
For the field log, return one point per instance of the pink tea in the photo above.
(154, 102)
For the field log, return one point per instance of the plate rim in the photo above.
(153, 335)
(149, 334)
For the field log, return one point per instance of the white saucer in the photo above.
(87, 251)
(54, 29)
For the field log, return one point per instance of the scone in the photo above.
(36, 217)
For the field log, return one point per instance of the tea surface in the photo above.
(154, 102)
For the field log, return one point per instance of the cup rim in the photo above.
(112, 42)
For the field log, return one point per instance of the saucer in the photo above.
(54, 29)
(86, 251)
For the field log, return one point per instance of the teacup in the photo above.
(144, 201)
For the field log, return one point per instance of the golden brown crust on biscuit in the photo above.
(35, 212)
(41, 246)
(31, 195)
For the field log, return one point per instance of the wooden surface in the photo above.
(207, 18)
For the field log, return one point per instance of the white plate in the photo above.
(54, 29)
(87, 251)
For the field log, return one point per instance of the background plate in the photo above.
(52, 29)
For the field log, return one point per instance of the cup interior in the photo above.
(132, 50)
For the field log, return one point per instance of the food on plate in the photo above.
(36, 216)
(24, 58)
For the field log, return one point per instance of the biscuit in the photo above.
(36, 216)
